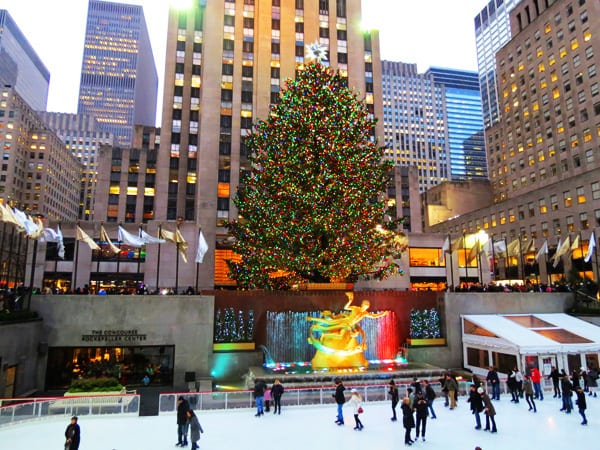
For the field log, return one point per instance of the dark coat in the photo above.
(259, 388)
(195, 429)
(73, 436)
(339, 396)
(489, 406)
(475, 401)
(429, 393)
(277, 391)
(394, 394)
(421, 407)
(407, 416)
(581, 402)
(182, 409)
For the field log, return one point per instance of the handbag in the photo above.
(360, 410)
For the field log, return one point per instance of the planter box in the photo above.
(426, 342)
(234, 346)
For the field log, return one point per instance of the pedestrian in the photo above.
(356, 403)
(476, 405)
(182, 423)
(581, 404)
(494, 382)
(195, 428)
(567, 391)
(592, 376)
(536, 379)
(430, 396)
(452, 386)
(555, 377)
(394, 395)
(575, 379)
(519, 378)
(259, 396)
(489, 411)
(72, 435)
(407, 420)
(421, 409)
(444, 390)
(416, 386)
(513, 386)
(276, 393)
(529, 391)
(340, 399)
(267, 400)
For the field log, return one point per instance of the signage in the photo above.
(114, 336)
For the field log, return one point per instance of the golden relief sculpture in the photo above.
(338, 338)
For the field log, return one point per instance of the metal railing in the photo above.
(21, 409)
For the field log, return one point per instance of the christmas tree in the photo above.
(312, 207)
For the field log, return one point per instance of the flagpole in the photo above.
(197, 263)
(521, 259)
(10, 257)
(451, 262)
(177, 257)
(1, 250)
(118, 258)
(506, 260)
(466, 262)
(581, 251)
(158, 259)
(56, 262)
(493, 256)
(98, 262)
(74, 282)
(596, 240)
(139, 259)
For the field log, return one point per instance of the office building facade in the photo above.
(83, 136)
(492, 31)
(119, 82)
(20, 66)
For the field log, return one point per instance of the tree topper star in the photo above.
(316, 51)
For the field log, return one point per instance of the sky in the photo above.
(426, 32)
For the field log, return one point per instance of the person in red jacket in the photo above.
(536, 379)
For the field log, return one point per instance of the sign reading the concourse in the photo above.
(113, 336)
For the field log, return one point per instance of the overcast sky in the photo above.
(426, 32)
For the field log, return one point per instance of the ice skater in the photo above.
(529, 393)
(581, 404)
(489, 410)
(476, 405)
(195, 428)
(356, 403)
(259, 396)
(276, 393)
(407, 420)
(340, 399)
(182, 423)
(395, 396)
(72, 435)
(421, 408)
(430, 397)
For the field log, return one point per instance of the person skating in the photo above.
(430, 397)
(581, 404)
(529, 393)
(452, 386)
(408, 421)
(536, 379)
(513, 386)
(421, 408)
(182, 423)
(276, 393)
(489, 411)
(72, 435)
(476, 405)
(259, 396)
(494, 382)
(555, 377)
(567, 392)
(340, 399)
(195, 428)
(356, 403)
(395, 397)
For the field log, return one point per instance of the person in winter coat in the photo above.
(528, 389)
(395, 396)
(489, 410)
(555, 377)
(452, 386)
(356, 403)
(276, 393)
(581, 404)
(195, 428)
(407, 420)
(259, 396)
(476, 405)
(592, 375)
(72, 435)
(513, 386)
(340, 399)
(536, 379)
(494, 381)
(182, 423)
(421, 408)
(567, 391)
(430, 397)
(267, 400)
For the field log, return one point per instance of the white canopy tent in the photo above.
(529, 340)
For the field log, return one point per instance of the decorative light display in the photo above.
(234, 327)
(425, 324)
(312, 207)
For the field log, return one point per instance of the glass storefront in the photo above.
(132, 366)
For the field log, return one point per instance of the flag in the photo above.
(166, 235)
(202, 247)
(561, 249)
(7, 215)
(176, 238)
(39, 230)
(575, 244)
(148, 239)
(83, 236)
(529, 247)
(104, 237)
(514, 248)
(27, 223)
(61, 242)
(128, 238)
(542, 251)
(475, 250)
(591, 247)
(500, 247)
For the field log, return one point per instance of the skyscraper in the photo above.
(119, 82)
(464, 123)
(225, 65)
(415, 122)
(20, 66)
(492, 31)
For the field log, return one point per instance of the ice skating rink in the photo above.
(313, 427)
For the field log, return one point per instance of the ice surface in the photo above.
(313, 427)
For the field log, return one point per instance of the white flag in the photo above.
(104, 237)
(149, 239)
(29, 225)
(591, 247)
(562, 249)
(500, 247)
(129, 239)
(542, 251)
(575, 243)
(61, 242)
(83, 236)
(202, 247)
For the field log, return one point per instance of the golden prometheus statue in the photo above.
(338, 338)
